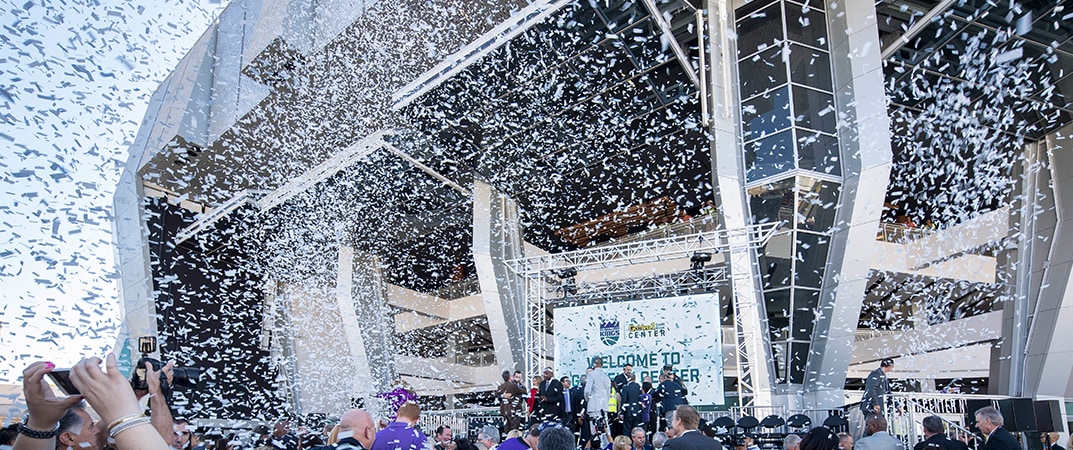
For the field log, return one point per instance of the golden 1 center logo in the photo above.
(646, 330)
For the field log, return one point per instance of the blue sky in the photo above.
(76, 79)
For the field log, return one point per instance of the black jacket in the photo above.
(1002, 440)
(553, 391)
(693, 440)
(940, 442)
(631, 400)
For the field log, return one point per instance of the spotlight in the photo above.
(698, 259)
(569, 285)
(568, 272)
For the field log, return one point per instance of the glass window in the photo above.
(749, 7)
(798, 359)
(761, 72)
(806, 24)
(811, 255)
(816, 204)
(805, 301)
(814, 110)
(776, 265)
(811, 68)
(760, 30)
(818, 152)
(778, 304)
(643, 42)
(769, 156)
(772, 202)
(766, 114)
(779, 350)
(778, 312)
(620, 13)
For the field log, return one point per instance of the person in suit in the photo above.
(511, 397)
(1050, 441)
(876, 436)
(573, 404)
(684, 422)
(876, 388)
(670, 393)
(990, 422)
(620, 380)
(631, 403)
(638, 439)
(935, 438)
(550, 397)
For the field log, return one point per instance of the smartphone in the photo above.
(62, 378)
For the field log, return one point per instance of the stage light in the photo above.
(698, 259)
(568, 272)
(568, 285)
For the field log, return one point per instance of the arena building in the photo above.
(326, 197)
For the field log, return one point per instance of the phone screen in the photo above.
(62, 378)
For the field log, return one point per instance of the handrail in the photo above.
(905, 411)
(900, 234)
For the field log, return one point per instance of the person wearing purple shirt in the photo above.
(529, 441)
(401, 434)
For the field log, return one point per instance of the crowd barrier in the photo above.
(904, 412)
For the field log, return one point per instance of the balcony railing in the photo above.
(898, 233)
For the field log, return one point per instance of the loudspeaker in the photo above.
(1048, 416)
(1024, 416)
(970, 412)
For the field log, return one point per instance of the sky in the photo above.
(76, 78)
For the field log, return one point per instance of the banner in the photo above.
(683, 332)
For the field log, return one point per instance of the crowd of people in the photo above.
(601, 413)
(598, 408)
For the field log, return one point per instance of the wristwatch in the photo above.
(35, 433)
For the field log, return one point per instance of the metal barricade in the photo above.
(463, 422)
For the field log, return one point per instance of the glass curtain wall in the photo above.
(792, 165)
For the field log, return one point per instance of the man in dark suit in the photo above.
(1050, 441)
(935, 438)
(620, 380)
(550, 398)
(638, 440)
(990, 421)
(573, 404)
(685, 423)
(876, 388)
(631, 403)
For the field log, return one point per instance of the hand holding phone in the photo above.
(62, 378)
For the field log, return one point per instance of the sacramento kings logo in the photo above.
(609, 332)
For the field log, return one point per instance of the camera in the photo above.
(181, 376)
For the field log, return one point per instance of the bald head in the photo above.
(359, 424)
(874, 424)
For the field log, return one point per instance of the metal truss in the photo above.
(658, 286)
(539, 272)
(656, 250)
(749, 318)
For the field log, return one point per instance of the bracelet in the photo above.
(35, 433)
(124, 419)
(127, 425)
